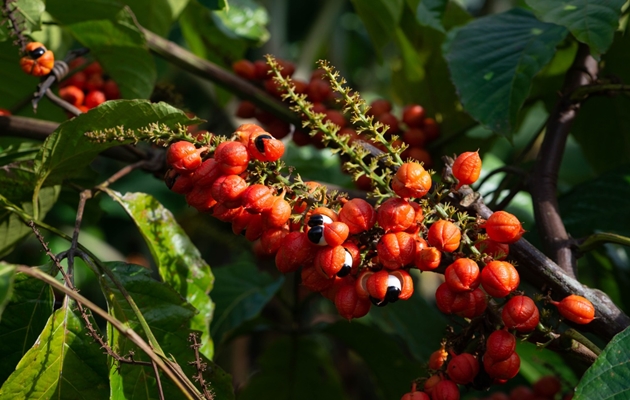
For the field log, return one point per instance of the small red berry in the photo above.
(232, 157)
(547, 386)
(462, 275)
(359, 215)
(444, 235)
(498, 251)
(395, 215)
(414, 137)
(576, 309)
(428, 259)
(240, 222)
(207, 173)
(294, 251)
(200, 198)
(463, 368)
(111, 90)
(379, 106)
(313, 279)
(245, 69)
(500, 345)
(257, 198)
(72, 95)
(469, 304)
(466, 168)
(413, 115)
(391, 121)
(520, 313)
(254, 228)
(271, 240)
(499, 278)
(504, 369)
(183, 156)
(228, 190)
(329, 260)
(246, 109)
(385, 287)
(38, 61)
(522, 392)
(437, 359)
(411, 180)
(335, 233)
(504, 227)
(278, 214)
(349, 304)
(431, 128)
(445, 390)
(180, 183)
(444, 298)
(264, 147)
(243, 132)
(396, 249)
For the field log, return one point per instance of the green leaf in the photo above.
(206, 37)
(167, 314)
(178, 260)
(600, 204)
(29, 16)
(64, 364)
(391, 366)
(593, 22)
(215, 4)
(429, 13)
(69, 12)
(7, 276)
(417, 324)
(245, 19)
(608, 377)
(157, 15)
(121, 49)
(380, 18)
(537, 362)
(67, 151)
(241, 292)
(602, 126)
(22, 321)
(493, 61)
(295, 368)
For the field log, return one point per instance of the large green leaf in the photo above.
(602, 126)
(67, 151)
(64, 364)
(167, 314)
(23, 319)
(493, 60)
(391, 366)
(157, 15)
(380, 18)
(242, 291)
(608, 377)
(600, 204)
(29, 15)
(418, 325)
(538, 362)
(294, 368)
(244, 19)
(593, 22)
(178, 260)
(430, 12)
(7, 276)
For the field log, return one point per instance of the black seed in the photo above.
(38, 52)
(377, 302)
(392, 294)
(170, 178)
(259, 142)
(344, 271)
(315, 234)
(316, 220)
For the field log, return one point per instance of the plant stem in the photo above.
(599, 239)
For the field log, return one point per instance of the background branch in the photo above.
(556, 241)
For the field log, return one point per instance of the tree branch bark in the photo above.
(556, 241)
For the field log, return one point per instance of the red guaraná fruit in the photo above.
(228, 190)
(232, 157)
(294, 251)
(504, 227)
(444, 298)
(444, 235)
(500, 345)
(499, 278)
(469, 304)
(547, 386)
(466, 168)
(335, 233)
(462, 275)
(498, 251)
(264, 147)
(414, 395)
(520, 313)
(94, 98)
(463, 368)
(312, 279)
(349, 304)
(396, 249)
(183, 156)
(411, 180)
(257, 198)
(278, 214)
(428, 259)
(245, 69)
(72, 95)
(395, 215)
(329, 260)
(502, 369)
(445, 390)
(178, 182)
(385, 287)
(38, 61)
(207, 173)
(576, 309)
(359, 215)
(437, 359)
(413, 115)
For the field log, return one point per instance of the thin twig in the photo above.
(158, 380)
(58, 101)
(16, 26)
(583, 92)
(556, 241)
(199, 365)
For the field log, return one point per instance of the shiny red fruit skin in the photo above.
(444, 235)
(228, 190)
(466, 168)
(183, 156)
(504, 227)
(411, 180)
(278, 214)
(437, 359)
(232, 157)
(413, 115)
(312, 279)
(444, 298)
(463, 368)
(505, 369)
(396, 250)
(445, 390)
(500, 345)
(499, 278)
(469, 304)
(295, 251)
(415, 396)
(462, 275)
(520, 313)
(428, 259)
(395, 215)
(329, 260)
(94, 98)
(245, 69)
(349, 304)
(336, 233)
(257, 198)
(72, 95)
(547, 386)
(264, 147)
(359, 215)
(576, 309)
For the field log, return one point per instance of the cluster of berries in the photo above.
(87, 87)
(413, 128)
